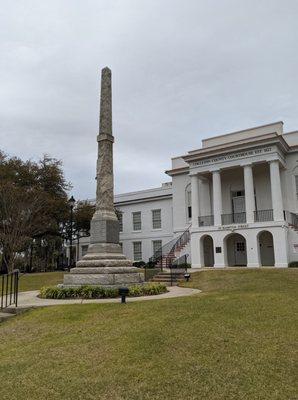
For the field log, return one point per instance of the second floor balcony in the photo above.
(236, 218)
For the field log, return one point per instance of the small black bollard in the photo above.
(187, 276)
(123, 292)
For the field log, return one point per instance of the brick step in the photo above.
(167, 277)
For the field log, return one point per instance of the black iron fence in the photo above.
(263, 215)
(178, 269)
(163, 257)
(235, 218)
(9, 289)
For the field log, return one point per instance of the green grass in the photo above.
(236, 340)
(37, 280)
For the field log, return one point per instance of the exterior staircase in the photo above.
(168, 277)
(292, 220)
(165, 256)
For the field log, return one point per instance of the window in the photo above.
(188, 201)
(296, 184)
(137, 251)
(136, 221)
(240, 246)
(156, 244)
(156, 219)
(189, 212)
(84, 249)
(120, 216)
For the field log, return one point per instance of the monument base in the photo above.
(104, 265)
(104, 276)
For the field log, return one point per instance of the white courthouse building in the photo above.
(237, 195)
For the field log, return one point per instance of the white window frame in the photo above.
(137, 253)
(136, 225)
(156, 222)
(188, 203)
(154, 250)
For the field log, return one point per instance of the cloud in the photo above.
(182, 71)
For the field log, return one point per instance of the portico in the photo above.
(236, 195)
(243, 211)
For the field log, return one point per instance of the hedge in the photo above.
(99, 292)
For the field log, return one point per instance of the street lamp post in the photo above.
(71, 203)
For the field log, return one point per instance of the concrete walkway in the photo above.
(30, 299)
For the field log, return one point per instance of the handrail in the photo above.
(182, 240)
(170, 247)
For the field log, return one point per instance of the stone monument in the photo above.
(104, 264)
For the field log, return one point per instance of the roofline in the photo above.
(243, 130)
(177, 171)
(289, 133)
(205, 153)
(142, 200)
(143, 191)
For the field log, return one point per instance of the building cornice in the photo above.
(268, 139)
(177, 171)
(143, 200)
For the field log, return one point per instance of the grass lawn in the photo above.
(36, 281)
(236, 340)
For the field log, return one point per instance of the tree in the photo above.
(33, 206)
(83, 213)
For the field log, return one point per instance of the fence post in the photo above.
(17, 287)
(2, 291)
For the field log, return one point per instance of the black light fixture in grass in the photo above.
(187, 277)
(123, 292)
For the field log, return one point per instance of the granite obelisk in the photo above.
(104, 263)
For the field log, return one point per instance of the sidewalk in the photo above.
(30, 299)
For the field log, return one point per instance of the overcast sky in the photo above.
(183, 70)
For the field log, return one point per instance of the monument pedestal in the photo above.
(104, 265)
(103, 276)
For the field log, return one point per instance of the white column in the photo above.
(276, 195)
(252, 249)
(205, 204)
(195, 250)
(217, 197)
(249, 193)
(281, 247)
(195, 201)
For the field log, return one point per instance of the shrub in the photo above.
(150, 264)
(135, 291)
(293, 264)
(139, 264)
(154, 288)
(99, 292)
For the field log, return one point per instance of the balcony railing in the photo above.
(263, 215)
(207, 220)
(235, 218)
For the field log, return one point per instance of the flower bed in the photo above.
(99, 292)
